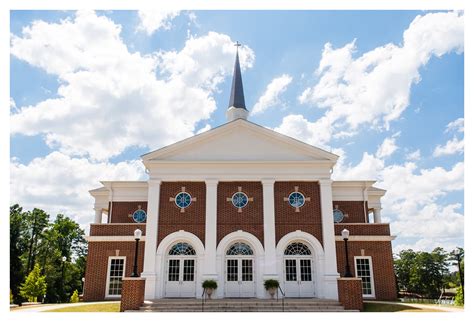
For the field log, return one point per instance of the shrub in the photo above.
(271, 284)
(459, 298)
(209, 284)
(74, 297)
(34, 286)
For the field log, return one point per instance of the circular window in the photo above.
(183, 200)
(240, 199)
(296, 199)
(139, 215)
(338, 215)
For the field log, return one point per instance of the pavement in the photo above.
(423, 306)
(46, 307)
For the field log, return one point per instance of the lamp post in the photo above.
(83, 281)
(345, 236)
(457, 253)
(137, 234)
(62, 279)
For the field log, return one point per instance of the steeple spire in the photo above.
(237, 100)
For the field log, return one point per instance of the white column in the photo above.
(210, 270)
(149, 265)
(98, 216)
(270, 265)
(377, 216)
(330, 263)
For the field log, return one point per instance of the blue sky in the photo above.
(415, 154)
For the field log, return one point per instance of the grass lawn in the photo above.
(378, 307)
(103, 307)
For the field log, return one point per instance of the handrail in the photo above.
(282, 299)
(202, 299)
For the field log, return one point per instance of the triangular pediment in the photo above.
(240, 140)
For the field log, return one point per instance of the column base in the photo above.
(150, 285)
(330, 286)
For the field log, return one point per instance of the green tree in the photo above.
(34, 286)
(37, 222)
(18, 229)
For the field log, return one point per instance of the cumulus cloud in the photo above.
(152, 20)
(412, 200)
(387, 148)
(413, 156)
(374, 88)
(271, 96)
(453, 146)
(456, 125)
(109, 98)
(58, 183)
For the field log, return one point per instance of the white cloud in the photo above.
(451, 147)
(205, 128)
(456, 125)
(58, 183)
(152, 20)
(110, 98)
(271, 96)
(413, 156)
(387, 148)
(375, 88)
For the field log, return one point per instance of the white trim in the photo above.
(113, 238)
(372, 295)
(367, 238)
(108, 275)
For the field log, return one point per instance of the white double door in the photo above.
(299, 277)
(239, 276)
(180, 277)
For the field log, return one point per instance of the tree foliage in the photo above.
(34, 286)
(35, 239)
(423, 273)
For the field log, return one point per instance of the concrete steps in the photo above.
(241, 305)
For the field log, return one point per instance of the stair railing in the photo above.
(203, 299)
(282, 298)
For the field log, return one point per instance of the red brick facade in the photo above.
(97, 261)
(363, 229)
(116, 229)
(308, 219)
(382, 264)
(350, 293)
(121, 210)
(353, 209)
(133, 293)
(229, 219)
(192, 220)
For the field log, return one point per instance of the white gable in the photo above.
(240, 141)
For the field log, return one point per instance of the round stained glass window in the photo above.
(139, 215)
(182, 200)
(296, 199)
(240, 199)
(338, 215)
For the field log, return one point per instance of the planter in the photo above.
(272, 291)
(209, 292)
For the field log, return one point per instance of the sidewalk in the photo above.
(422, 306)
(46, 307)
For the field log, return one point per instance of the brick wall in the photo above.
(382, 264)
(363, 229)
(133, 293)
(354, 210)
(309, 217)
(192, 220)
(97, 261)
(249, 220)
(350, 293)
(116, 229)
(122, 209)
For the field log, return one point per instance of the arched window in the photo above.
(182, 249)
(295, 249)
(239, 249)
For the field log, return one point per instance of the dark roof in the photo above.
(237, 91)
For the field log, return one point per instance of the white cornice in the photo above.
(113, 238)
(367, 238)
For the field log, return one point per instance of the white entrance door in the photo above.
(298, 270)
(239, 279)
(180, 277)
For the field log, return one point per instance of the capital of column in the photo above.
(154, 182)
(325, 182)
(267, 181)
(211, 182)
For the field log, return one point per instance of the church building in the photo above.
(239, 204)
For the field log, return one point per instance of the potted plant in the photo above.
(271, 286)
(209, 286)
